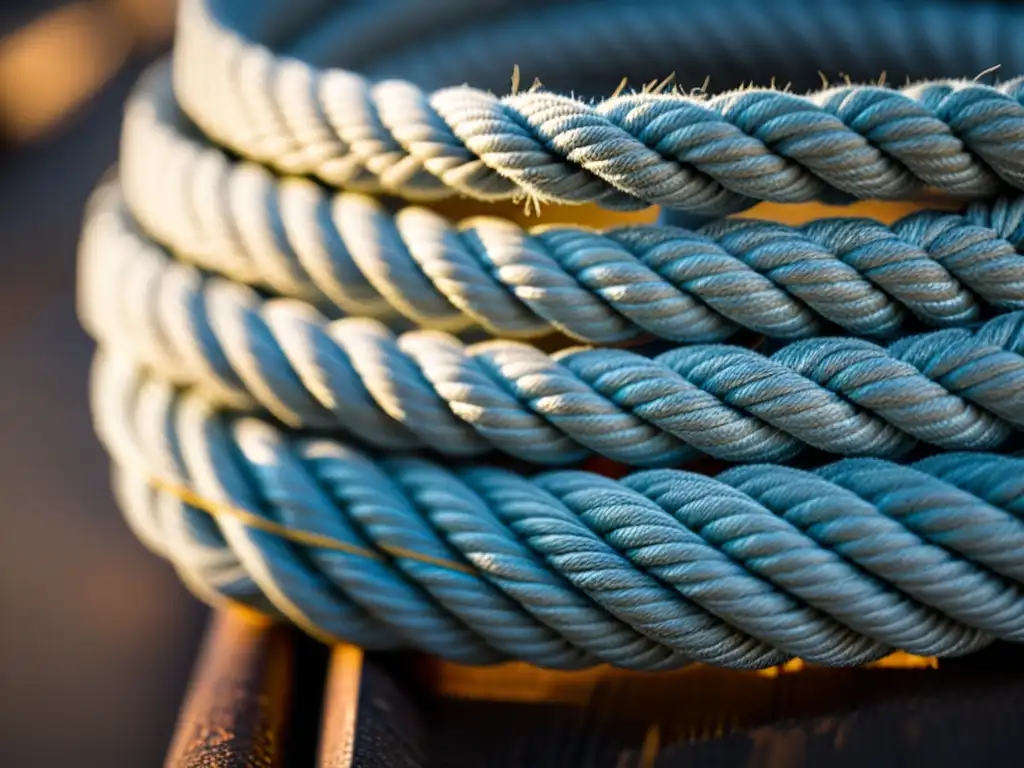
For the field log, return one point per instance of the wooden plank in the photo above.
(370, 719)
(380, 712)
(341, 704)
(237, 710)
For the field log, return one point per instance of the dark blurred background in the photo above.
(97, 637)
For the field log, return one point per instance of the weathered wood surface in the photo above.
(371, 717)
(251, 702)
(236, 713)
(812, 717)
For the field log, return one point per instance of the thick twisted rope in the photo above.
(840, 565)
(784, 282)
(573, 44)
(240, 319)
(710, 156)
(957, 389)
(586, 47)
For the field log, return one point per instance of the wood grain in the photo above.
(236, 712)
(341, 703)
(371, 719)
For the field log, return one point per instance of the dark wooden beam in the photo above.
(236, 714)
(370, 716)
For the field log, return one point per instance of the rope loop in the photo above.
(326, 399)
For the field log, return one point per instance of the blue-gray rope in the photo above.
(586, 47)
(290, 236)
(957, 388)
(839, 566)
(708, 155)
(247, 321)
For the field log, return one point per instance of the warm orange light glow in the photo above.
(598, 218)
(56, 63)
(519, 682)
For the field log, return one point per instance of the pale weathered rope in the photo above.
(711, 156)
(957, 389)
(291, 236)
(223, 384)
(586, 47)
(567, 569)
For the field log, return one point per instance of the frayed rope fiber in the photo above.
(315, 399)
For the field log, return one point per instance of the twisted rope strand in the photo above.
(956, 389)
(784, 282)
(240, 322)
(583, 47)
(836, 565)
(122, 406)
(710, 156)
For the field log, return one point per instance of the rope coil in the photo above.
(861, 542)
(708, 156)
(955, 389)
(943, 269)
(247, 322)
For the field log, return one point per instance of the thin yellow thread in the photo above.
(660, 87)
(307, 538)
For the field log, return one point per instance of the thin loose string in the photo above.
(305, 538)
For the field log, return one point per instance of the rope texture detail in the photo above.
(296, 382)
(348, 251)
(710, 156)
(957, 389)
(568, 569)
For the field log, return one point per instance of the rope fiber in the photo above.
(838, 566)
(326, 400)
(956, 389)
(707, 155)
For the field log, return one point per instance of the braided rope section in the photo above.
(709, 156)
(290, 236)
(957, 389)
(566, 569)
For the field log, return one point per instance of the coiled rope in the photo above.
(838, 566)
(249, 323)
(956, 389)
(711, 156)
(290, 237)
